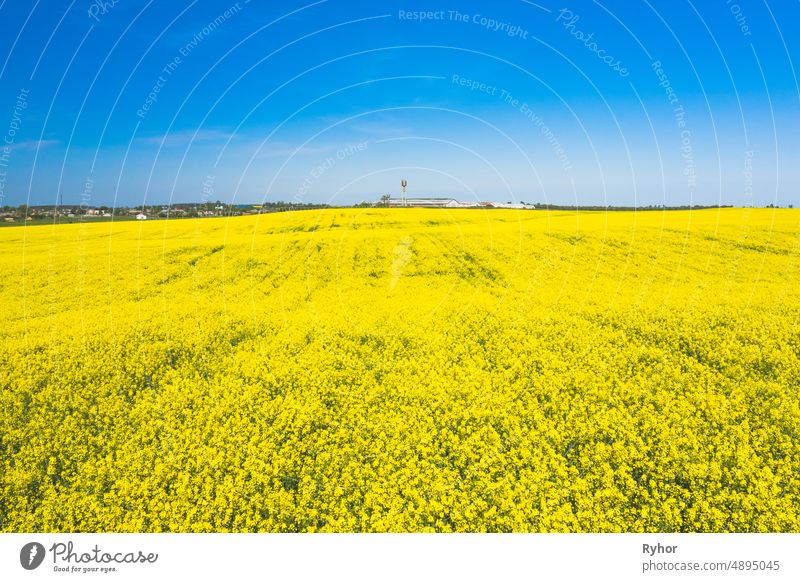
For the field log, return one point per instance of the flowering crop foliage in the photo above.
(403, 370)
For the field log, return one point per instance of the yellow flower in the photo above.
(403, 370)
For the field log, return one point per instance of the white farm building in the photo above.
(448, 203)
(429, 203)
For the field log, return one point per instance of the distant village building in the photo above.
(518, 206)
(448, 203)
(141, 216)
(427, 203)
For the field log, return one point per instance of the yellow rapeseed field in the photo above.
(403, 370)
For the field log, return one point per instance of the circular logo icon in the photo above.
(31, 555)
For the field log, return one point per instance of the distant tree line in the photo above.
(627, 208)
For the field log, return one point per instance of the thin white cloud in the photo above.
(380, 129)
(185, 137)
(32, 144)
(284, 151)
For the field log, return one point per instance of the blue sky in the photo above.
(613, 102)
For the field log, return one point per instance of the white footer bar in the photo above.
(417, 557)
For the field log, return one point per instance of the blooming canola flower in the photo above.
(403, 370)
